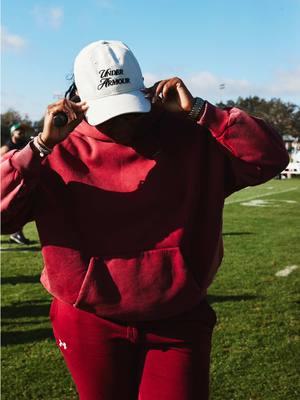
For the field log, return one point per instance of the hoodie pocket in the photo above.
(154, 284)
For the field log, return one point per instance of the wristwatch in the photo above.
(197, 108)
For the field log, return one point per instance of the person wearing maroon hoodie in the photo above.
(128, 199)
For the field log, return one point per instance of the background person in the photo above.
(16, 141)
(128, 200)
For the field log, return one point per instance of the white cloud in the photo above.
(206, 82)
(208, 85)
(48, 16)
(11, 41)
(283, 84)
(107, 4)
(287, 82)
(56, 15)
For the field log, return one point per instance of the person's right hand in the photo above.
(51, 135)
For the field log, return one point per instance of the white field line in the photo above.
(6, 249)
(286, 271)
(259, 196)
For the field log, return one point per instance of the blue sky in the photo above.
(251, 46)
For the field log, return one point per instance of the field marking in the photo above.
(287, 270)
(267, 203)
(259, 196)
(6, 250)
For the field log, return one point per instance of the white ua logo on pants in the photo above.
(62, 344)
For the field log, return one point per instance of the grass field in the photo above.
(256, 340)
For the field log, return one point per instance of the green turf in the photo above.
(255, 344)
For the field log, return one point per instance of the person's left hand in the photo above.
(172, 94)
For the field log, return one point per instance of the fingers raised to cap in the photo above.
(167, 84)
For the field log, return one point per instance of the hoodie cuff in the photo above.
(27, 161)
(214, 119)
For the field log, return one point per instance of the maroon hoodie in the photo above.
(135, 232)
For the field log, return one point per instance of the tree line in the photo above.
(285, 117)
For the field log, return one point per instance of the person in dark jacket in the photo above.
(128, 199)
(16, 141)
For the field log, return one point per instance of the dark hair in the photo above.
(71, 92)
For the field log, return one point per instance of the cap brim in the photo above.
(103, 109)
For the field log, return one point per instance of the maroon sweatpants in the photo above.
(158, 360)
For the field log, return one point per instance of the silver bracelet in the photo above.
(196, 109)
(42, 143)
(42, 149)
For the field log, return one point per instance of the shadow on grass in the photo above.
(221, 299)
(30, 310)
(26, 310)
(14, 280)
(26, 248)
(28, 336)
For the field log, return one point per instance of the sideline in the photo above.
(259, 196)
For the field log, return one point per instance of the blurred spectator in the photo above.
(16, 141)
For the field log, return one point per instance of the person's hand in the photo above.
(51, 135)
(172, 94)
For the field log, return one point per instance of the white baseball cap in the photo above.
(109, 78)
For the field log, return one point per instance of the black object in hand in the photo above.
(60, 119)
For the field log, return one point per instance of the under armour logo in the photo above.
(109, 77)
(62, 344)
